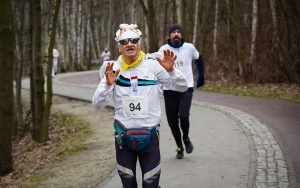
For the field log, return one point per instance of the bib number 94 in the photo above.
(135, 106)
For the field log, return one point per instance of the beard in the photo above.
(176, 41)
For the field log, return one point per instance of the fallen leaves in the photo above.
(29, 156)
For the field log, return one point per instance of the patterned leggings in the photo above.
(149, 159)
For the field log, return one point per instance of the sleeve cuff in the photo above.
(172, 73)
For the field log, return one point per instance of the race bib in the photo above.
(179, 64)
(135, 106)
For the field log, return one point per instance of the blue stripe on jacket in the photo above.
(125, 82)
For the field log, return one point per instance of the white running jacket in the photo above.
(136, 92)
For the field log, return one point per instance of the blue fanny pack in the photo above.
(134, 139)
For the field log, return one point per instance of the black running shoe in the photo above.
(179, 153)
(188, 146)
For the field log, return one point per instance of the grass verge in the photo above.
(287, 92)
(67, 134)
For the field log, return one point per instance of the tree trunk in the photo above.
(109, 29)
(72, 34)
(6, 87)
(95, 54)
(39, 80)
(44, 133)
(45, 30)
(228, 29)
(216, 31)
(196, 20)
(179, 5)
(276, 39)
(236, 21)
(133, 12)
(174, 9)
(65, 36)
(253, 40)
(203, 27)
(151, 23)
(31, 72)
(20, 16)
(79, 31)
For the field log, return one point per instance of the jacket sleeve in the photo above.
(174, 80)
(199, 65)
(102, 94)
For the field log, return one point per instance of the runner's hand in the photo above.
(110, 74)
(168, 61)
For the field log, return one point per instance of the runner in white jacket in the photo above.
(54, 62)
(178, 104)
(133, 83)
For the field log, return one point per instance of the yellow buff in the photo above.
(125, 66)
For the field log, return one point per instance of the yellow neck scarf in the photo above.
(125, 66)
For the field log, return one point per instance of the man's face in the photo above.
(176, 36)
(129, 48)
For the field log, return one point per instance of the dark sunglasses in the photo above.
(126, 41)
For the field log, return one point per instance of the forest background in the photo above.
(252, 40)
(244, 41)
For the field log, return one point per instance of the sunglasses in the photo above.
(126, 41)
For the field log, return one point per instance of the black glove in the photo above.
(200, 72)
(200, 81)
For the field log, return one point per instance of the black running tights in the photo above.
(178, 109)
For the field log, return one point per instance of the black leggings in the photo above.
(149, 159)
(178, 108)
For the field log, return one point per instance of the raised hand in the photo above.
(110, 74)
(168, 61)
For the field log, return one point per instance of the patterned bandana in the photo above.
(125, 66)
(127, 31)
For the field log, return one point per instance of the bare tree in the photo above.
(286, 54)
(46, 15)
(6, 87)
(38, 73)
(94, 40)
(203, 26)
(133, 12)
(149, 12)
(236, 24)
(44, 133)
(216, 30)
(276, 39)
(253, 39)
(109, 29)
(20, 20)
(196, 20)
(179, 12)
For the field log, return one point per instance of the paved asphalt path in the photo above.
(281, 118)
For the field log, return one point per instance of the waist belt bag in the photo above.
(137, 139)
(134, 139)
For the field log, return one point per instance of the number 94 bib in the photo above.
(135, 106)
